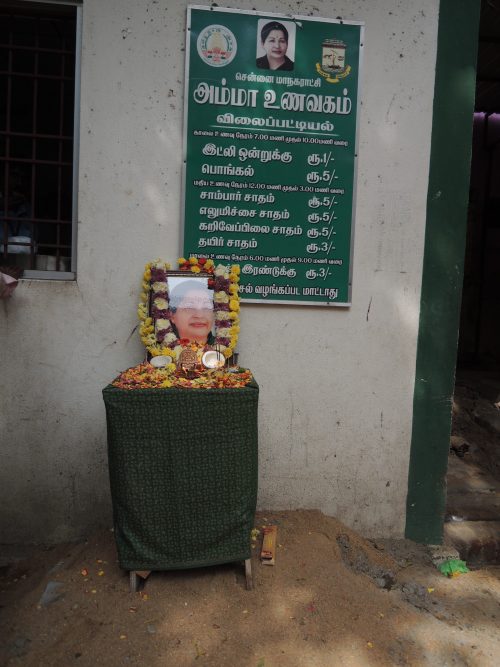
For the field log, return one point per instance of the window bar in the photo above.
(38, 76)
(60, 154)
(31, 161)
(34, 227)
(7, 145)
(31, 135)
(39, 49)
(52, 221)
(76, 135)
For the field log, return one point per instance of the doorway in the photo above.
(472, 520)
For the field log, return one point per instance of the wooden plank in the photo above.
(248, 574)
(134, 582)
(268, 551)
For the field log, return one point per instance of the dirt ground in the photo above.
(332, 599)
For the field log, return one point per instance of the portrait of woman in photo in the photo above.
(192, 307)
(274, 41)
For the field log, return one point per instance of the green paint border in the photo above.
(447, 201)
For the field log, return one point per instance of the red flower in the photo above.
(211, 283)
(202, 260)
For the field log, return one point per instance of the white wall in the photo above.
(336, 385)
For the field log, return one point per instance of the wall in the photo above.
(336, 385)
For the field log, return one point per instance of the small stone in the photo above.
(440, 553)
(20, 647)
(51, 593)
(151, 629)
(58, 566)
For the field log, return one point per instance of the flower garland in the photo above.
(156, 330)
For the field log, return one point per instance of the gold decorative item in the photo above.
(188, 360)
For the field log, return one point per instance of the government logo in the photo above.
(216, 45)
(333, 66)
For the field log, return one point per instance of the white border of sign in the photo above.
(295, 17)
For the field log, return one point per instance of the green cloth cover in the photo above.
(183, 474)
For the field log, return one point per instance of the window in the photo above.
(39, 88)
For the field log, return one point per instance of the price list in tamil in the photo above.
(270, 149)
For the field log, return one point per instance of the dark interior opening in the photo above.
(37, 101)
(473, 480)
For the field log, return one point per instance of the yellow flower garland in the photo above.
(229, 296)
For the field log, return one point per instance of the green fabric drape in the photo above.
(183, 475)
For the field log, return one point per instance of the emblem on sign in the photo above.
(216, 45)
(333, 61)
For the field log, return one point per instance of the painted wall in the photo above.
(336, 385)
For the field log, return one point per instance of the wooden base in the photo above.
(134, 582)
(136, 576)
(248, 574)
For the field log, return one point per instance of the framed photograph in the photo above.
(275, 45)
(182, 308)
(190, 310)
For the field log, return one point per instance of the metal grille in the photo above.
(37, 101)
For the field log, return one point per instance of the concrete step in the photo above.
(487, 415)
(478, 542)
(473, 494)
(477, 506)
(464, 474)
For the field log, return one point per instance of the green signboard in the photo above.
(271, 105)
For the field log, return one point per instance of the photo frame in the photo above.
(182, 308)
(262, 52)
(194, 308)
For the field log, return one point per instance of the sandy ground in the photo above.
(332, 599)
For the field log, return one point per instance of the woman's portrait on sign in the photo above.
(275, 45)
(191, 304)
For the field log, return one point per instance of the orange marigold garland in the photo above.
(144, 376)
